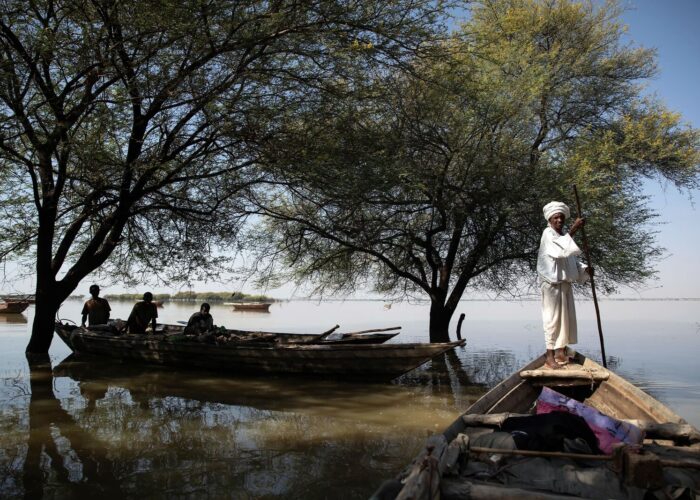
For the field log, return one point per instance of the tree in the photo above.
(432, 185)
(127, 127)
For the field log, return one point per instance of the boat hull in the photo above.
(255, 307)
(384, 361)
(13, 307)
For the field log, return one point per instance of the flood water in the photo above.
(93, 428)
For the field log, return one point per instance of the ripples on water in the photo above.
(86, 427)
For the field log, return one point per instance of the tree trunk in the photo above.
(48, 300)
(440, 317)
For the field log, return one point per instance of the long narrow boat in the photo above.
(13, 306)
(374, 336)
(252, 306)
(18, 297)
(456, 464)
(256, 354)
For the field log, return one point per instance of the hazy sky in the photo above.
(669, 27)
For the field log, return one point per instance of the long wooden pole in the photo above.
(595, 299)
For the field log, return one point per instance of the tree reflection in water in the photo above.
(59, 452)
(101, 429)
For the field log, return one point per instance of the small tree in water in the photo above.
(432, 184)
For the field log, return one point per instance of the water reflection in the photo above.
(94, 427)
(13, 318)
(59, 452)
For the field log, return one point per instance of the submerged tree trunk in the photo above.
(440, 316)
(47, 304)
(49, 296)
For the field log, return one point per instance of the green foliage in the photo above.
(435, 182)
(128, 128)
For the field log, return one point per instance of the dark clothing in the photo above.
(141, 316)
(199, 323)
(550, 431)
(97, 311)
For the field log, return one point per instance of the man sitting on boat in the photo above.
(143, 313)
(200, 322)
(558, 268)
(96, 310)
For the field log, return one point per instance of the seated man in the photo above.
(96, 309)
(144, 312)
(200, 322)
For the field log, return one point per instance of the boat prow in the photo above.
(639, 446)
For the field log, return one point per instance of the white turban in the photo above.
(555, 207)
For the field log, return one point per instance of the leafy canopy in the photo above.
(435, 182)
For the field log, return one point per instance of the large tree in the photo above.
(127, 126)
(435, 184)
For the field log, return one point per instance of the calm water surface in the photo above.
(86, 427)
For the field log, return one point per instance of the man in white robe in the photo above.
(558, 268)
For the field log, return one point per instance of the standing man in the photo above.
(96, 309)
(558, 268)
(144, 312)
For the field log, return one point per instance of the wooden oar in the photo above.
(375, 330)
(323, 336)
(595, 299)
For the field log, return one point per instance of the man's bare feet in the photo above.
(561, 357)
(550, 362)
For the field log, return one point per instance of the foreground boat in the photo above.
(13, 306)
(664, 464)
(256, 353)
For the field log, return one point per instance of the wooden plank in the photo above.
(548, 454)
(494, 419)
(631, 401)
(519, 399)
(565, 374)
(669, 430)
(490, 398)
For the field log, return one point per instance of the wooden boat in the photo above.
(18, 296)
(257, 354)
(252, 306)
(374, 336)
(13, 306)
(666, 465)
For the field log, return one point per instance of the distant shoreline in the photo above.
(165, 298)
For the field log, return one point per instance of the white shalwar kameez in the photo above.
(558, 268)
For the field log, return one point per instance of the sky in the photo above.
(670, 27)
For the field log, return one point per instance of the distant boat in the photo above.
(257, 354)
(252, 306)
(18, 297)
(455, 465)
(13, 306)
